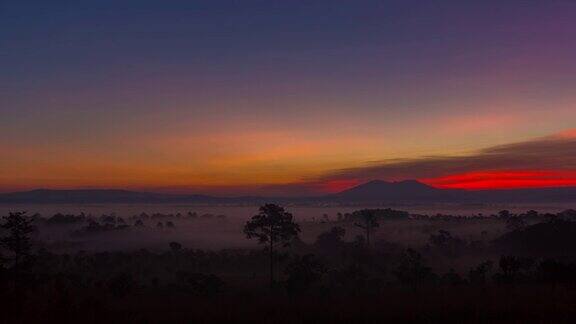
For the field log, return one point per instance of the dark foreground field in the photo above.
(363, 267)
(517, 304)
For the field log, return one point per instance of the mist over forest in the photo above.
(293, 260)
(218, 227)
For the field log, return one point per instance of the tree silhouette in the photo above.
(17, 243)
(512, 268)
(272, 226)
(448, 244)
(515, 223)
(121, 284)
(368, 222)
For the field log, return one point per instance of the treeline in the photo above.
(287, 272)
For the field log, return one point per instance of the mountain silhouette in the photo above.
(415, 191)
(407, 190)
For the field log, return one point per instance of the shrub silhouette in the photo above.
(479, 274)
(201, 284)
(412, 271)
(452, 278)
(303, 272)
(175, 247)
(121, 285)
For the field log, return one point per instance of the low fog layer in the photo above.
(220, 227)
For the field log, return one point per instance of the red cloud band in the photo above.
(478, 180)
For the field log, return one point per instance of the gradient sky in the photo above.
(286, 97)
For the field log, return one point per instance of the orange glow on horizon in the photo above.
(480, 180)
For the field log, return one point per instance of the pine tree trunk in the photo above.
(271, 263)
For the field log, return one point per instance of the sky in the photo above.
(286, 97)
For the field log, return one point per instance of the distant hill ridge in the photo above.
(372, 191)
(415, 191)
(95, 196)
(411, 190)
